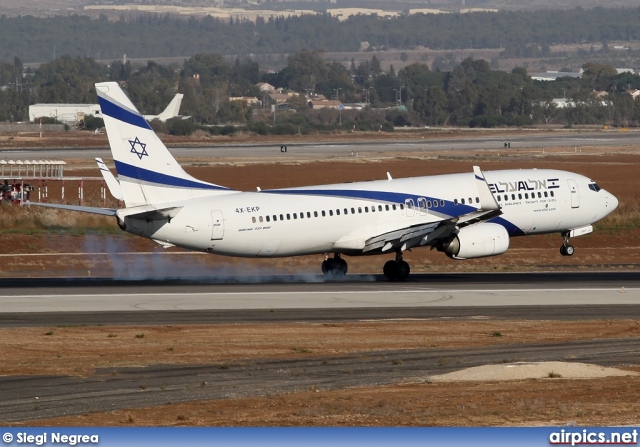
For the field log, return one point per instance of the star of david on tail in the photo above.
(141, 153)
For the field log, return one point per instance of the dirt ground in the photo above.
(544, 401)
(33, 242)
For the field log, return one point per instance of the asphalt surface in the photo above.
(549, 296)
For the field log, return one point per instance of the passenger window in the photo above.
(442, 203)
(281, 217)
(526, 195)
(309, 214)
(359, 210)
(295, 216)
(353, 210)
(513, 197)
(301, 215)
(323, 213)
(366, 209)
(545, 194)
(337, 212)
(275, 218)
(402, 206)
(260, 219)
(393, 207)
(551, 192)
(455, 201)
(380, 208)
(519, 196)
(315, 214)
(462, 201)
(373, 209)
(387, 207)
(268, 219)
(253, 219)
(288, 216)
(330, 212)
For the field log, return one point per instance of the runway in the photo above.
(309, 298)
(469, 141)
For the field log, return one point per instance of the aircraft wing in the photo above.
(403, 238)
(422, 234)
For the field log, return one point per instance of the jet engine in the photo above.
(476, 241)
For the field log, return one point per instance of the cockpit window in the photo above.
(594, 187)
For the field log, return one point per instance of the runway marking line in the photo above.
(342, 292)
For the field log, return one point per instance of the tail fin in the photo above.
(173, 109)
(147, 172)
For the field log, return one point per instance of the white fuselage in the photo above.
(340, 218)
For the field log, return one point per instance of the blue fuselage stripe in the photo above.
(146, 175)
(449, 208)
(117, 112)
(379, 196)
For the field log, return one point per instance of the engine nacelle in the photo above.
(477, 241)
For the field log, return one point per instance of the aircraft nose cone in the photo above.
(613, 202)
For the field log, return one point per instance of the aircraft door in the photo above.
(575, 194)
(409, 207)
(217, 228)
(422, 206)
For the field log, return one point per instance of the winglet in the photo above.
(487, 201)
(110, 180)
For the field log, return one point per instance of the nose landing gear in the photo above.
(566, 249)
(397, 270)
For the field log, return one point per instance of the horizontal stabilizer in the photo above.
(82, 209)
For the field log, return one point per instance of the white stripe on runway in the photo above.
(303, 299)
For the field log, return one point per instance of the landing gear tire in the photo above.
(334, 267)
(567, 250)
(396, 270)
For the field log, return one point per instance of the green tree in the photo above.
(598, 76)
(308, 68)
(431, 107)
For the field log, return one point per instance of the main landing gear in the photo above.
(397, 270)
(566, 249)
(334, 267)
(337, 267)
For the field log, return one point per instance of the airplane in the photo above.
(172, 110)
(466, 215)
